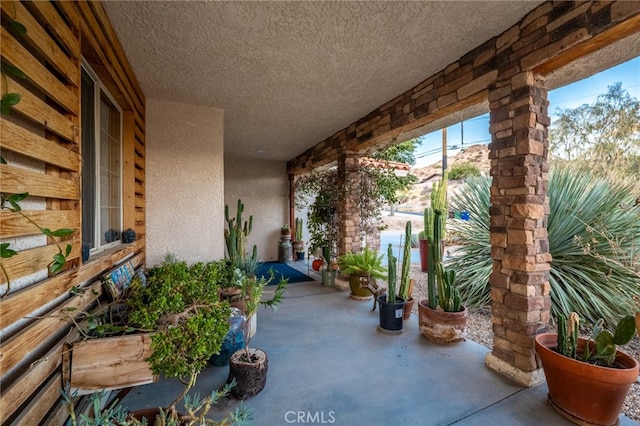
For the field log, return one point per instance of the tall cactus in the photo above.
(235, 237)
(392, 275)
(435, 256)
(298, 229)
(406, 264)
(439, 201)
(448, 294)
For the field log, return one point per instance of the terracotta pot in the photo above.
(423, 245)
(408, 306)
(250, 376)
(358, 292)
(234, 296)
(581, 392)
(439, 326)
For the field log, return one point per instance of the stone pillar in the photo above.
(349, 205)
(520, 287)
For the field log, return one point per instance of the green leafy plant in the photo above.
(366, 263)
(11, 202)
(463, 171)
(601, 344)
(181, 303)
(594, 241)
(114, 413)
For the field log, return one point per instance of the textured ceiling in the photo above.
(290, 74)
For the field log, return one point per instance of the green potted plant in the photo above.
(438, 202)
(391, 304)
(442, 317)
(329, 272)
(115, 413)
(588, 379)
(362, 268)
(285, 232)
(181, 304)
(406, 283)
(298, 243)
(248, 366)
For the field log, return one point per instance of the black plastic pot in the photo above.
(391, 314)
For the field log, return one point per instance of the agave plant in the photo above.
(594, 239)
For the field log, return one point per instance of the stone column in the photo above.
(520, 287)
(349, 205)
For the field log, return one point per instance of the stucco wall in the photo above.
(263, 187)
(184, 181)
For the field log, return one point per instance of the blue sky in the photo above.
(476, 130)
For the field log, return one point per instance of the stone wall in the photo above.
(549, 37)
(519, 209)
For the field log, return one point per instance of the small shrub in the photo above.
(463, 171)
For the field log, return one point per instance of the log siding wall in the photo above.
(44, 129)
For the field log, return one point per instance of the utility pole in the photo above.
(444, 150)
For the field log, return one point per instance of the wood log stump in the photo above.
(250, 376)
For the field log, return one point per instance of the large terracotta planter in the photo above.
(423, 246)
(358, 292)
(439, 326)
(581, 392)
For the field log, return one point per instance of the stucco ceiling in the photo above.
(290, 74)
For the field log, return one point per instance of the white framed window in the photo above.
(101, 120)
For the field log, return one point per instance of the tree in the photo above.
(387, 183)
(604, 136)
(378, 186)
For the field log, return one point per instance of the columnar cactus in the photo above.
(435, 256)
(235, 236)
(406, 264)
(392, 275)
(298, 229)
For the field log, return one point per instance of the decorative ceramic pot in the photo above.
(329, 277)
(357, 291)
(581, 392)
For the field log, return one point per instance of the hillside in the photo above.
(417, 198)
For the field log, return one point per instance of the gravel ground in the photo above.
(479, 330)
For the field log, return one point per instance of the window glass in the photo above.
(102, 159)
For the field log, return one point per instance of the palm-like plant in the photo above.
(594, 239)
(367, 263)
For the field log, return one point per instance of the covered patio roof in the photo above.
(290, 74)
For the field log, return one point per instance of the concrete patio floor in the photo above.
(329, 364)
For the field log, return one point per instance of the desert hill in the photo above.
(417, 198)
